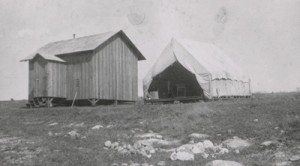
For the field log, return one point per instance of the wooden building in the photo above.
(98, 67)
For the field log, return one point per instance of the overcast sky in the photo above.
(261, 36)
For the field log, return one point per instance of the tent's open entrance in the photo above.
(175, 83)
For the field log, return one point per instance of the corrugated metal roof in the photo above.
(51, 50)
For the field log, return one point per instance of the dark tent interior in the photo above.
(176, 81)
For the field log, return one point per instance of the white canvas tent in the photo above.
(214, 72)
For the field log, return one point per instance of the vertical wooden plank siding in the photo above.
(79, 75)
(56, 80)
(109, 72)
(116, 71)
(37, 78)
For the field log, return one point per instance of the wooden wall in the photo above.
(109, 72)
(116, 71)
(46, 78)
(56, 79)
(79, 75)
(37, 78)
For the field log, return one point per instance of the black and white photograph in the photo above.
(149, 83)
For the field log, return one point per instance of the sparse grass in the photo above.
(228, 118)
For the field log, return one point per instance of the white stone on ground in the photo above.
(236, 143)
(50, 133)
(182, 155)
(53, 124)
(295, 157)
(198, 148)
(97, 127)
(268, 143)
(74, 134)
(161, 163)
(149, 135)
(284, 163)
(198, 135)
(280, 157)
(204, 148)
(223, 163)
(107, 144)
(208, 144)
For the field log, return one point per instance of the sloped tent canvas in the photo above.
(216, 74)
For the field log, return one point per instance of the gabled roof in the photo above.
(88, 43)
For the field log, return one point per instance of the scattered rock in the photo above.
(294, 157)
(280, 157)
(149, 135)
(205, 155)
(107, 144)
(142, 122)
(97, 127)
(114, 145)
(198, 135)
(255, 120)
(160, 141)
(109, 126)
(50, 133)
(53, 124)
(144, 148)
(79, 124)
(182, 155)
(204, 148)
(268, 143)
(223, 163)
(161, 163)
(185, 148)
(284, 163)
(198, 148)
(208, 144)
(236, 143)
(237, 151)
(167, 150)
(229, 131)
(74, 134)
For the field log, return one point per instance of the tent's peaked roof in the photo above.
(212, 58)
(86, 43)
(199, 58)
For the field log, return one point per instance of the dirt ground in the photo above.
(45, 136)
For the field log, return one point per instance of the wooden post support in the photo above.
(49, 102)
(74, 99)
(93, 101)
